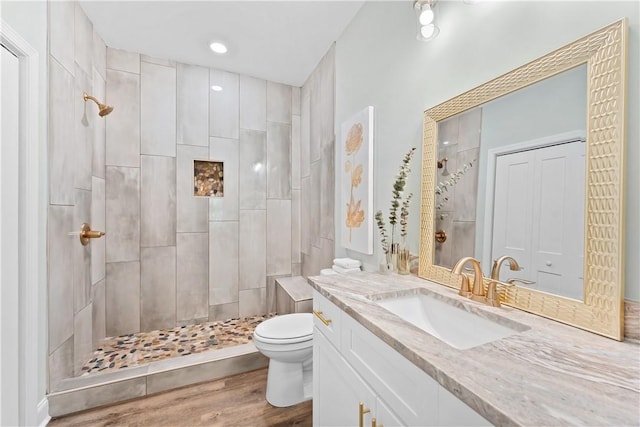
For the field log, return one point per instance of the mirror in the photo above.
(510, 181)
(596, 302)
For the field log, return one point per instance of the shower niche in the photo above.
(208, 178)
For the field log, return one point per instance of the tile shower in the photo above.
(172, 263)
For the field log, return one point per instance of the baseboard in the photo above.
(43, 412)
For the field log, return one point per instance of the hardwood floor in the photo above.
(234, 401)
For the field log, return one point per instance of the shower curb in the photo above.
(92, 391)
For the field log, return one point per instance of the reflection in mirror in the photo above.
(528, 122)
(510, 182)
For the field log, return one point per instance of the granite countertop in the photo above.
(550, 374)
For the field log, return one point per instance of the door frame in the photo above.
(492, 155)
(30, 315)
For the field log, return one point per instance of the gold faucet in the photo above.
(477, 293)
(497, 264)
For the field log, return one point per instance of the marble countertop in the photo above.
(550, 374)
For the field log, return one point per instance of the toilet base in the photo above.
(289, 383)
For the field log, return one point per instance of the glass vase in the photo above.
(395, 248)
(386, 266)
(404, 258)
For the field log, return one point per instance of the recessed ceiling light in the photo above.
(216, 88)
(218, 47)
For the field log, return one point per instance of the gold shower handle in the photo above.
(87, 233)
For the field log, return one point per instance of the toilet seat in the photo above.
(286, 329)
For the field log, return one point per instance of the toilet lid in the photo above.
(289, 327)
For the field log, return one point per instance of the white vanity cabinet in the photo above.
(352, 366)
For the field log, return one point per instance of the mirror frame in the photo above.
(605, 53)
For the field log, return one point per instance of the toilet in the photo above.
(287, 341)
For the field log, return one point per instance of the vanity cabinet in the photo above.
(352, 366)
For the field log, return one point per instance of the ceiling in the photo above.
(281, 41)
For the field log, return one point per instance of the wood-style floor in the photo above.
(234, 401)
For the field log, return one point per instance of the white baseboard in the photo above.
(43, 412)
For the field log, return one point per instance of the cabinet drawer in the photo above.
(411, 393)
(327, 318)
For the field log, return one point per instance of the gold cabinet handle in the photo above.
(321, 317)
(361, 411)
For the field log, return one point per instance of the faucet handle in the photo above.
(493, 298)
(515, 280)
(465, 287)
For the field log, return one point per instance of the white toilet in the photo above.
(288, 343)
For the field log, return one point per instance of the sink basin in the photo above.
(454, 325)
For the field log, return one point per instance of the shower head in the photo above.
(103, 109)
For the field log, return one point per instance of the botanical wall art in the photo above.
(356, 180)
(208, 178)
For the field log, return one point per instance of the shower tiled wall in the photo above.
(313, 183)
(458, 216)
(173, 258)
(76, 273)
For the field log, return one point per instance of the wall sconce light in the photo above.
(425, 16)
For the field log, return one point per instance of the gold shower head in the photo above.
(103, 109)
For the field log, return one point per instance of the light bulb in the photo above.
(216, 88)
(427, 31)
(426, 16)
(218, 47)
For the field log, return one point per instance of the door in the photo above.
(539, 216)
(9, 299)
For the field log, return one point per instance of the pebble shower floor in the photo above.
(145, 347)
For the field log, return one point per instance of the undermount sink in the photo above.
(454, 325)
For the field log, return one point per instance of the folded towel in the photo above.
(347, 263)
(339, 269)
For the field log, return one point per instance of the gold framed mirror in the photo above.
(602, 307)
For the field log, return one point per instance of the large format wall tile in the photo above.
(99, 316)
(295, 152)
(81, 254)
(253, 103)
(157, 288)
(223, 311)
(99, 51)
(295, 101)
(193, 105)
(61, 302)
(82, 338)
(223, 262)
(84, 120)
(327, 186)
(157, 110)
(253, 249)
(192, 211)
(252, 302)
(224, 108)
(278, 237)
(225, 208)
(61, 125)
(61, 363)
(314, 205)
(278, 102)
(98, 158)
(61, 37)
(296, 198)
(122, 298)
(252, 170)
(157, 201)
(97, 222)
(123, 123)
(466, 190)
(122, 216)
(192, 276)
(305, 216)
(122, 60)
(305, 136)
(83, 40)
(470, 127)
(278, 161)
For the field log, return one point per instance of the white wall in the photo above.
(29, 19)
(379, 62)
